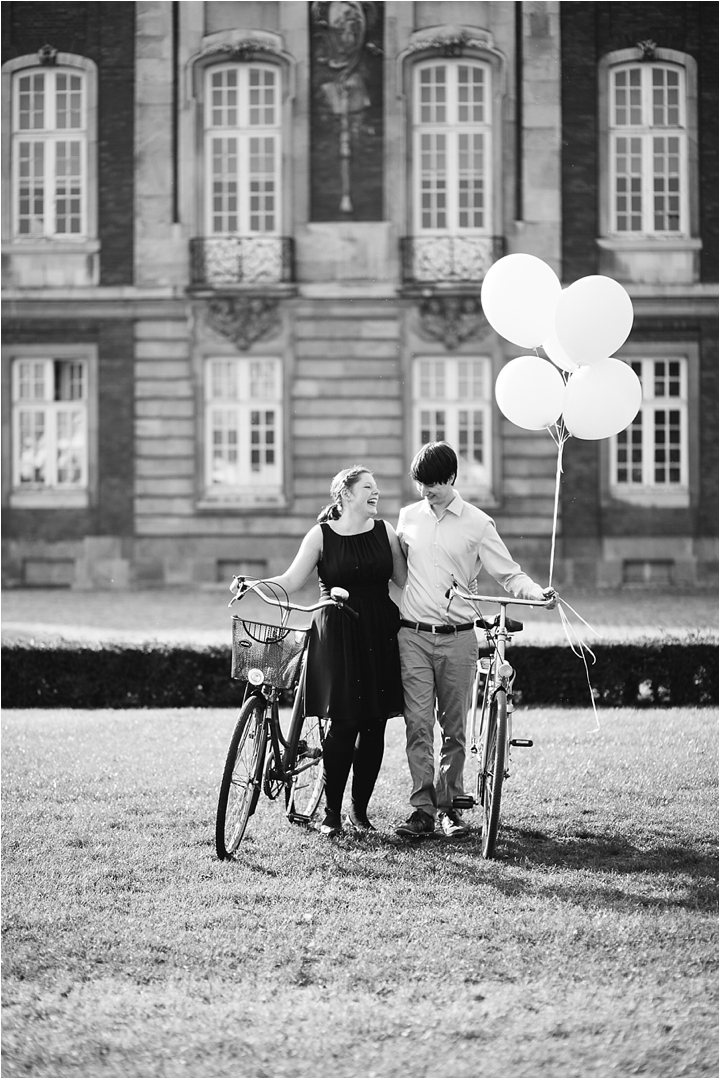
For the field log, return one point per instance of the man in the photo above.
(443, 537)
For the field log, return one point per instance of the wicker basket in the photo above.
(277, 651)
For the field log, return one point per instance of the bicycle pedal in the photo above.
(463, 801)
(524, 743)
(298, 818)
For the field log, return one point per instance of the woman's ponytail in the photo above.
(331, 512)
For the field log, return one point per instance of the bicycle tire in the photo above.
(493, 770)
(242, 777)
(303, 763)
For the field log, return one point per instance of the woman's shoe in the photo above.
(331, 825)
(359, 822)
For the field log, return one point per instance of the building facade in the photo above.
(243, 245)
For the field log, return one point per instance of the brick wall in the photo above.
(103, 33)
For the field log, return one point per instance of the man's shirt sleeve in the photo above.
(499, 563)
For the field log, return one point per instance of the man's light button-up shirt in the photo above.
(457, 544)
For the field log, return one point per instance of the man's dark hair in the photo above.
(435, 462)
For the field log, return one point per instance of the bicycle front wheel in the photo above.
(304, 763)
(494, 760)
(242, 777)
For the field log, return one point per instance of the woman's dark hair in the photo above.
(435, 462)
(344, 481)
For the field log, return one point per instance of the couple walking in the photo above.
(388, 662)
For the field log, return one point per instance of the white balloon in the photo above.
(519, 295)
(529, 392)
(601, 399)
(593, 318)
(557, 354)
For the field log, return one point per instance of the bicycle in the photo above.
(260, 758)
(489, 722)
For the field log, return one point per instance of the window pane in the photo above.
(68, 101)
(666, 184)
(31, 102)
(471, 94)
(433, 182)
(32, 453)
(68, 188)
(470, 435)
(431, 379)
(223, 380)
(629, 454)
(31, 189)
(262, 99)
(432, 425)
(471, 380)
(628, 184)
(627, 97)
(224, 167)
(224, 442)
(262, 380)
(70, 446)
(261, 168)
(433, 95)
(262, 440)
(224, 98)
(31, 380)
(665, 97)
(471, 181)
(69, 380)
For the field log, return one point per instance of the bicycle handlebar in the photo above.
(242, 585)
(472, 597)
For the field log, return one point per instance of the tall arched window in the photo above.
(648, 150)
(452, 147)
(50, 198)
(50, 153)
(242, 149)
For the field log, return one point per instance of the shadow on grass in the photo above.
(694, 871)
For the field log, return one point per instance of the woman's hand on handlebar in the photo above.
(550, 597)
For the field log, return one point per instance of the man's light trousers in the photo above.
(436, 667)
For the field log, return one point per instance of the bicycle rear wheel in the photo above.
(304, 764)
(242, 776)
(494, 760)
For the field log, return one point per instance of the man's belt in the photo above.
(425, 627)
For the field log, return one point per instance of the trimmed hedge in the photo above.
(63, 675)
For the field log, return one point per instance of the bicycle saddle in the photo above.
(510, 624)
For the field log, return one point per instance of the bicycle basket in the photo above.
(277, 651)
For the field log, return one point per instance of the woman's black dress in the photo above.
(353, 668)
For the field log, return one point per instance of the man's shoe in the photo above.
(418, 825)
(452, 823)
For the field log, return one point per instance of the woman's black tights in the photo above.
(359, 746)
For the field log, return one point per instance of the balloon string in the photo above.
(560, 441)
(580, 650)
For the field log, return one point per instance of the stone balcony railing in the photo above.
(443, 259)
(222, 261)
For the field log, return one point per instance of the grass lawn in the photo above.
(588, 948)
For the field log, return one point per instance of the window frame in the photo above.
(243, 131)
(473, 488)
(609, 236)
(452, 128)
(12, 71)
(646, 132)
(263, 492)
(652, 494)
(46, 496)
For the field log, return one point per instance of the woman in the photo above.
(353, 665)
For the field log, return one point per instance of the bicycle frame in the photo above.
(260, 758)
(489, 738)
